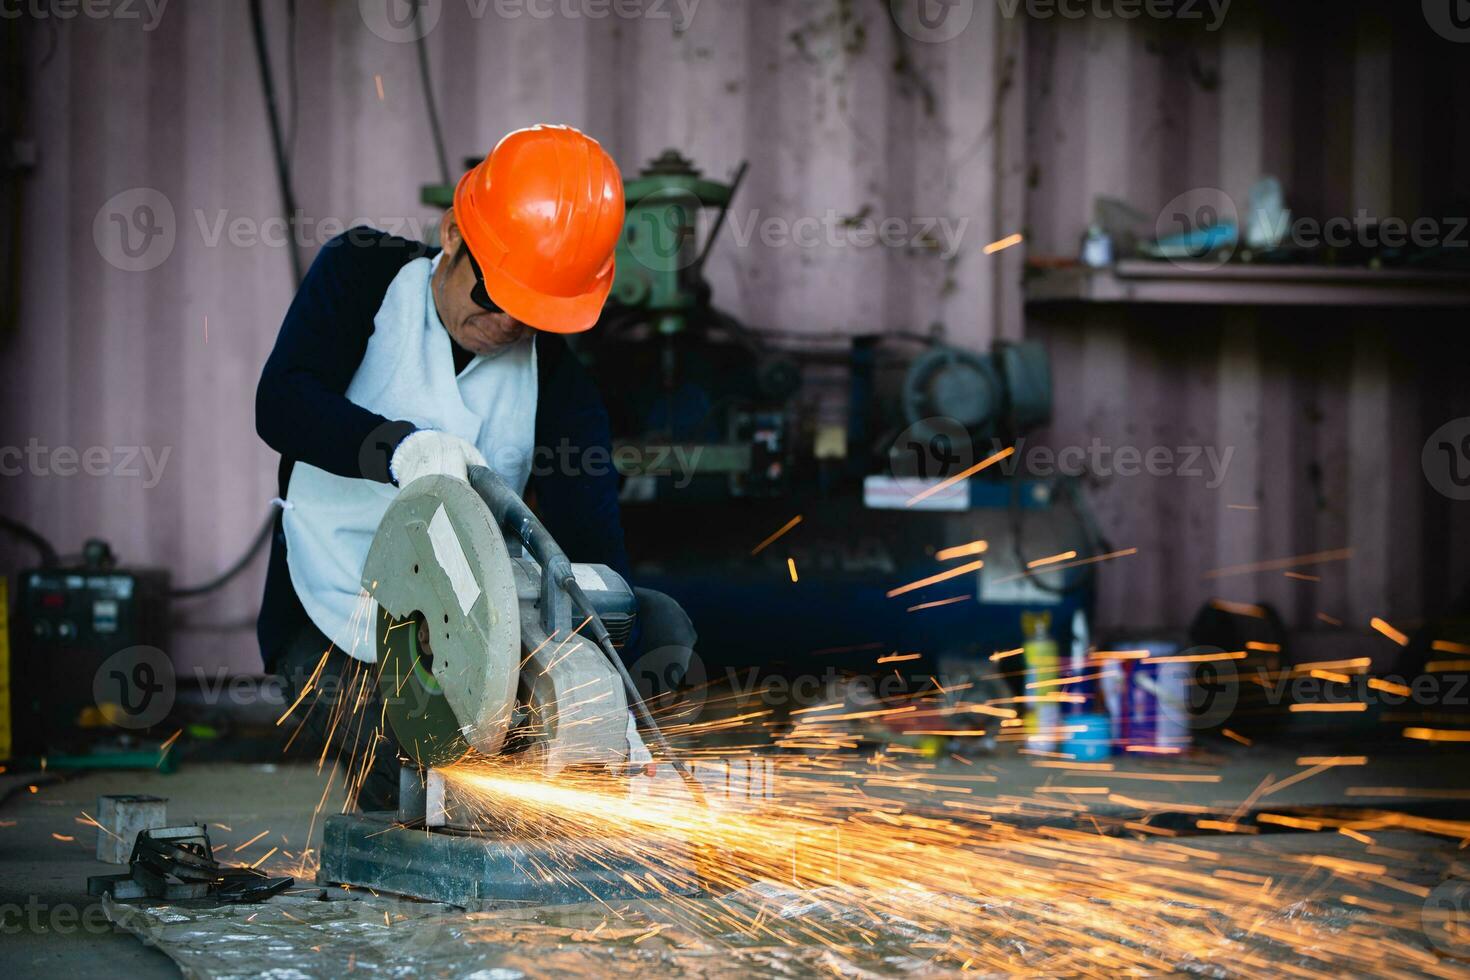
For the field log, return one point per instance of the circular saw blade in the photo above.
(439, 559)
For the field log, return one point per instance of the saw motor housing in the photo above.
(477, 643)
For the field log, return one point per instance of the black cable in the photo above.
(291, 86)
(273, 116)
(33, 538)
(1097, 543)
(697, 269)
(256, 543)
(433, 110)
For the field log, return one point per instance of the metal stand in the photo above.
(374, 851)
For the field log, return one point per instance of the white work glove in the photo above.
(427, 452)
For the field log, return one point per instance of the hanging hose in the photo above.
(33, 538)
(429, 106)
(273, 117)
(256, 543)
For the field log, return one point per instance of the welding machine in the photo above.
(68, 622)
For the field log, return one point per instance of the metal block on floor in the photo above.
(119, 818)
(469, 870)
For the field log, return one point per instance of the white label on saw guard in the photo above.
(588, 578)
(450, 555)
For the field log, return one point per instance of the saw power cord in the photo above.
(256, 543)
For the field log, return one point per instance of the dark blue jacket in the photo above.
(302, 411)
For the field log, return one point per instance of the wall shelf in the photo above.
(1143, 281)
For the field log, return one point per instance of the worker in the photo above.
(396, 361)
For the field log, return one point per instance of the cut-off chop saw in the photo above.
(491, 644)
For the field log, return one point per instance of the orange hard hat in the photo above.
(541, 216)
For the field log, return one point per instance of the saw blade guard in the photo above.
(478, 651)
(440, 572)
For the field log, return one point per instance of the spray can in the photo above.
(1086, 725)
(1042, 718)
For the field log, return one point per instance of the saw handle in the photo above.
(514, 517)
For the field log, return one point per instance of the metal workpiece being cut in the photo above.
(477, 638)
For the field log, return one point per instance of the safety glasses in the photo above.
(479, 293)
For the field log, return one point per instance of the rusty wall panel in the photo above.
(809, 92)
(1326, 410)
(1013, 123)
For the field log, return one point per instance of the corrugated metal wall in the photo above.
(1325, 410)
(809, 92)
(1011, 123)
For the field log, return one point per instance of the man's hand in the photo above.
(427, 452)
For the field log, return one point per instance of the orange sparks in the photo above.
(782, 530)
(1051, 559)
(962, 475)
(1197, 658)
(898, 658)
(378, 81)
(944, 576)
(1330, 706)
(1107, 655)
(252, 840)
(1437, 734)
(1332, 760)
(961, 550)
(1002, 654)
(791, 567)
(1074, 564)
(1002, 244)
(67, 838)
(1449, 646)
(939, 602)
(1441, 666)
(1329, 620)
(1238, 608)
(1387, 630)
(1277, 564)
(1352, 665)
(1296, 823)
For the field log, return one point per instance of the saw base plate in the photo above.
(474, 871)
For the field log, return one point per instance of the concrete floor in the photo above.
(47, 852)
(53, 929)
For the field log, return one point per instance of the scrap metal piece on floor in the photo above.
(177, 863)
(372, 850)
(119, 820)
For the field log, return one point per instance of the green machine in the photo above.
(660, 325)
(659, 264)
(659, 268)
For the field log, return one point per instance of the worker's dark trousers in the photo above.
(342, 711)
